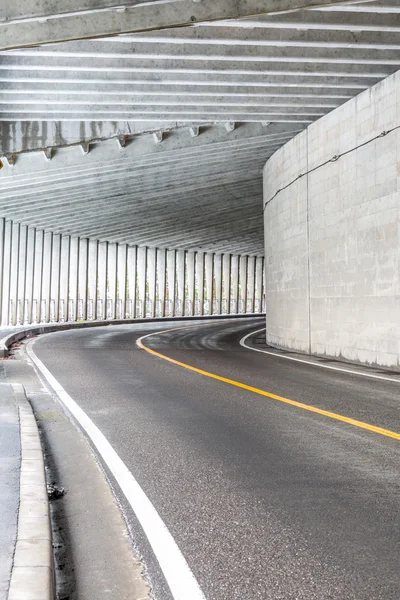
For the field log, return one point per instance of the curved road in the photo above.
(265, 499)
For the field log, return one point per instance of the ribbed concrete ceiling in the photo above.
(220, 97)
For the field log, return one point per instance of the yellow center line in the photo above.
(249, 388)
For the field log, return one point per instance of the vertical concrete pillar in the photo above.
(234, 302)
(73, 279)
(2, 232)
(122, 260)
(55, 279)
(37, 277)
(161, 281)
(30, 266)
(264, 290)
(217, 284)
(251, 274)
(180, 278)
(102, 280)
(111, 280)
(209, 276)
(243, 284)
(83, 278)
(93, 257)
(259, 284)
(46, 276)
(5, 315)
(190, 277)
(131, 285)
(226, 283)
(171, 260)
(141, 278)
(151, 282)
(22, 271)
(64, 278)
(14, 274)
(199, 281)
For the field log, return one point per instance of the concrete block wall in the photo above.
(332, 238)
(46, 277)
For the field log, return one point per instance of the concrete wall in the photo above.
(46, 277)
(332, 237)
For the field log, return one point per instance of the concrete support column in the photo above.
(161, 281)
(264, 289)
(92, 279)
(190, 277)
(171, 259)
(102, 280)
(14, 274)
(209, 276)
(251, 282)
(55, 279)
(259, 284)
(234, 302)
(151, 282)
(242, 284)
(73, 280)
(23, 241)
(2, 234)
(64, 277)
(141, 278)
(30, 263)
(37, 277)
(199, 281)
(122, 259)
(217, 309)
(111, 281)
(8, 232)
(180, 280)
(46, 276)
(83, 278)
(131, 283)
(226, 284)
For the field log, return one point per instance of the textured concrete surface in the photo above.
(32, 575)
(264, 499)
(332, 237)
(10, 456)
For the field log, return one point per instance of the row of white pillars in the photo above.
(48, 277)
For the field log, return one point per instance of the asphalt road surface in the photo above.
(266, 500)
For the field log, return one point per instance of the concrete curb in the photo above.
(9, 340)
(32, 576)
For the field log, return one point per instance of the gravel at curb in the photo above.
(32, 576)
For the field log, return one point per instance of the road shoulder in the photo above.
(93, 550)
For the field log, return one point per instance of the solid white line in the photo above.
(313, 364)
(177, 573)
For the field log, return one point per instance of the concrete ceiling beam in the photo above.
(60, 90)
(109, 102)
(176, 146)
(339, 64)
(40, 22)
(192, 54)
(14, 77)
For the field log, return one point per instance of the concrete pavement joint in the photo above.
(32, 576)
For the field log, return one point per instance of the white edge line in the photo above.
(310, 363)
(176, 570)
